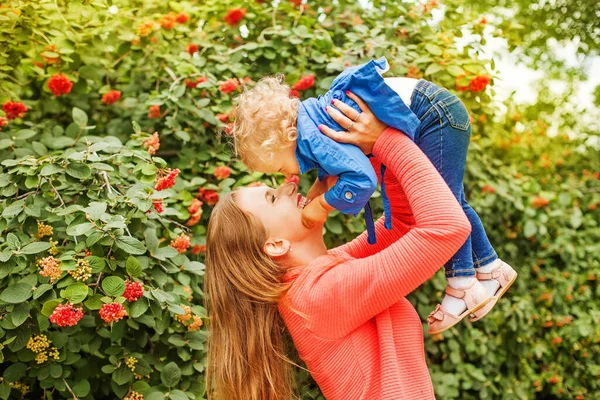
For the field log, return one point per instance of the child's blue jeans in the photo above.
(444, 135)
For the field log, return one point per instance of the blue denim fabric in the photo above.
(357, 180)
(443, 136)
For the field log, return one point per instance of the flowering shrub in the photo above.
(111, 161)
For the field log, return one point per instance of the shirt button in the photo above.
(348, 195)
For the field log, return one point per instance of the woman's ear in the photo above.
(276, 248)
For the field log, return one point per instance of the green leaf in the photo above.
(24, 134)
(130, 245)
(35, 247)
(165, 252)
(455, 70)
(122, 375)
(170, 374)
(530, 229)
(138, 308)
(76, 292)
(16, 293)
(80, 117)
(14, 209)
(433, 49)
(56, 370)
(95, 209)
(94, 302)
(177, 395)
(15, 371)
(5, 255)
(43, 288)
(81, 229)
(113, 286)
(51, 169)
(79, 170)
(49, 306)
(81, 388)
(433, 68)
(19, 314)
(96, 263)
(133, 267)
(136, 127)
(13, 241)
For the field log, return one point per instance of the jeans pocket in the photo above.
(456, 112)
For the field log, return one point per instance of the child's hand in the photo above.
(315, 213)
(320, 187)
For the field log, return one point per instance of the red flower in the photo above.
(66, 315)
(154, 112)
(3, 122)
(112, 312)
(133, 290)
(158, 205)
(192, 48)
(293, 178)
(210, 196)
(483, 21)
(306, 82)
(14, 109)
(59, 84)
(539, 202)
(168, 21)
(222, 172)
(294, 93)
(182, 18)
(459, 86)
(479, 83)
(165, 182)
(488, 189)
(112, 96)
(195, 206)
(230, 85)
(194, 219)
(223, 117)
(199, 248)
(553, 380)
(296, 2)
(192, 84)
(413, 72)
(181, 243)
(234, 16)
(152, 143)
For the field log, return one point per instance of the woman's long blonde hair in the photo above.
(242, 286)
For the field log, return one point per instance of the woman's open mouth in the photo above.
(302, 201)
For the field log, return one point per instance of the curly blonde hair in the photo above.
(264, 120)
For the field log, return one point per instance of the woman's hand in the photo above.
(364, 128)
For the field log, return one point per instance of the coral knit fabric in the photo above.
(362, 338)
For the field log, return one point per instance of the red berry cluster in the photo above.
(14, 109)
(192, 84)
(152, 143)
(477, 84)
(181, 243)
(192, 48)
(133, 290)
(199, 248)
(112, 312)
(234, 16)
(294, 93)
(195, 210)
(165, 182)
(306, 82)
(230, 85)
(210, 196)
(222, 172)
(112, 96)
(223, 117)
(154, 112)
(59, 84)
(158, 205)
(66, 315)
(3, 122)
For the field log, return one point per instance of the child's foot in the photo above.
(471, 294)
(498, 278)
(491, 285)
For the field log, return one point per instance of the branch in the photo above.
(69, 388)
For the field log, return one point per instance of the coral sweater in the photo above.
(362, 338)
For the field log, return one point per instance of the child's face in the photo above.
(284, 162)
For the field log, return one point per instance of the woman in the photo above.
(345, 308)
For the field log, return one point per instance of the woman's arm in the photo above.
(345, 297)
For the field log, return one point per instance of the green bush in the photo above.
(85, 163)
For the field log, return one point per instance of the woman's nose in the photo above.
(287, 189)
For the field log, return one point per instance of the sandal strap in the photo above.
(488, 276)
(458, 293)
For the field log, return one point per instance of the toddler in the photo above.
(274, 132)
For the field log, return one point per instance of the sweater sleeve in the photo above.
(342, 298)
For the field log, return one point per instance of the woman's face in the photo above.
(280, 210)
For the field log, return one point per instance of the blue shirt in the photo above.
(356, 178)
